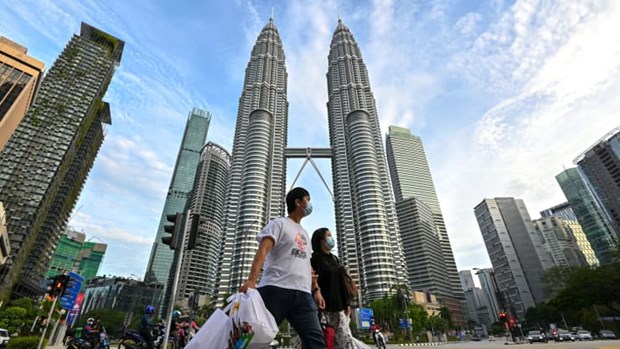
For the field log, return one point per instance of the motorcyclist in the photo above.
(91, 332)
(374, 328)
(147, 325)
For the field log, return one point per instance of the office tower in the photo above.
(74, 253)
(46, 161)
(560, 242)
(467, 280)
(179, 191)
(117, 293)
(489, 288)
(199, 268)
(19, 78)
(411, 179)
(367, 230)
(256, 188)
(590, 215)
(601, 166)
(516, 252)
(562, 210)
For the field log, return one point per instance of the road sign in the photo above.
(365, 315)
(68, 298)
(403, 323)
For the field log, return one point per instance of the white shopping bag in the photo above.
(252, 311)
(214, 334)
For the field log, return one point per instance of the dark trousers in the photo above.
(148, 338)
(299, 309)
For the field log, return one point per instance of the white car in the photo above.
(4, 338)
(584, 335)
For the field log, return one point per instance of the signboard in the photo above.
(403, 323)
(69, 297)
(76, 309)
(365, 315)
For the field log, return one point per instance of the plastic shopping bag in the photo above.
(252, 313)
(359, 344)
(214, 334)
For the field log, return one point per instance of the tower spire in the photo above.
(271, 17)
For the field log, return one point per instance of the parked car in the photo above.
(606, 334)
(4, 338)
(584, 335)
(535, 336)
(565, 336)
(475, 338)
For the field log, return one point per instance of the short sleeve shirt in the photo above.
(288, 263)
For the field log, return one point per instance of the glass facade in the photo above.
(179, 192)
(590, 214)
(12, 83)
(73, 253)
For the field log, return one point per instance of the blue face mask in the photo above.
(308, 209)
(330, 242)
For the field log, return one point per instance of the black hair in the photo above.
(294, 194)
(317, 237)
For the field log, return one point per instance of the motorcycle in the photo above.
(380, 340)
(132, 339)
(72, 342)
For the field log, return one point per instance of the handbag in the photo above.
(329, 332)
(350, 288)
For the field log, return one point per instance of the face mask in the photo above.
(308, 209)
(330, 243)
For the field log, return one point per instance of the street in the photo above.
(599, 344)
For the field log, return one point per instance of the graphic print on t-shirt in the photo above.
(302, 244)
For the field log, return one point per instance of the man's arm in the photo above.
(266, 244)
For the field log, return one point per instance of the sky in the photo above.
(504, 95)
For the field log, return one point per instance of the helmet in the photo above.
(176, 314)
(149, 309)
(90, 319)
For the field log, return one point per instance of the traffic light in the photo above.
(173, 229)
(58, 285)
(195, 230)
(502, 317)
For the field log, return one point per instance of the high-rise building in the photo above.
(562, 210)
(560, 242)
(590, 214)
(19, 78)
(601, 166)
(199, 268)
(516, 252)
(411, 178)
(46, 161)
(467, 279)
(178, 196)
(367, 230)
(74, 253)
(489, 288)
(256, 187)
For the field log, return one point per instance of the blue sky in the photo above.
(503, 94)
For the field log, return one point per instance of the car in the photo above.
(584, 335)
(535, 336)
(565, 336)
(475, 338)
(607, 334)
(4, 338)
(491, 338)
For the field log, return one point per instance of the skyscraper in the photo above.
(256, 186)
(46, 161)
(601, 166)
(490, 290)
(560, 242)
(411, 178)
(74, 253)
(366, 224)
(199, 268)
(516, 252)
(19, 79)
(562, 210)
(590, 214)
(179, 191)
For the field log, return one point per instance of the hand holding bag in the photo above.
(214, 334)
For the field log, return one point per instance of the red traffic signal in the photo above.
(502, 317)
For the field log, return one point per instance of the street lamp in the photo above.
(499, 295)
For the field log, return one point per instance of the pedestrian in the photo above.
(287, 285)
(331, 284)
(147, 325)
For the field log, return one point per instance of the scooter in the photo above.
(380, 340)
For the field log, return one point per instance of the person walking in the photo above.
(337, 306)
(287, 285)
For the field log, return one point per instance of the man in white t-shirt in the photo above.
(287, 286)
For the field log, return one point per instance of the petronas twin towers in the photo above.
(366, 224)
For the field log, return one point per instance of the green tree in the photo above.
(446, 315)
(13, 318)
